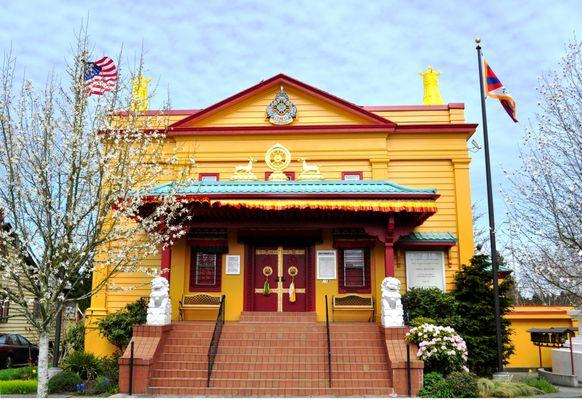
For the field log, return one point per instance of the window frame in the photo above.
(216, 175)
(193, 286)
(4, 310)
(358, 173)
(367, 287)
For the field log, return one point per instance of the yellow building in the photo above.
(302, 195)
(523, 318)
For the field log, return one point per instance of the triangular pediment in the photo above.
(313, 107)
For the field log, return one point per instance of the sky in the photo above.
(366, 52)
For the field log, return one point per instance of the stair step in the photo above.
(267, 382)
(261, 392)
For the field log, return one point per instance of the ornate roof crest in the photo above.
(281, 111)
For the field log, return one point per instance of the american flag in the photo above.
(100, 76)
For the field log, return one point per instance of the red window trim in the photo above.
(204, 288)
(217, 175)
(367, 272)
(290, 174)
(359, 173)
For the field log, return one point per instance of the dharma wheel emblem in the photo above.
(277, 158)
(281, 111)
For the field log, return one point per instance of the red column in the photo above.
(389, 259)
(166, 264)
(389, 249)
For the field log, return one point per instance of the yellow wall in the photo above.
(527, 317)
(418, 160)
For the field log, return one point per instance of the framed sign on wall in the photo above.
(425, 269)
(232, 265)
(326, 264)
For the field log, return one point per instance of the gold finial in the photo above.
(139, 93)
(478, 40)
(430, 82)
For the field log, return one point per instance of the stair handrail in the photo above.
(213, 348)
(328, 342)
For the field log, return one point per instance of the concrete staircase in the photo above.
(273, 354)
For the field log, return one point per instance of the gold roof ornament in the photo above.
(310, 172)
(430, 81)
(281, 111)
(139, 93)
(277, 158)
(244, 172)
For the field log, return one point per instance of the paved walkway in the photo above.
(565, 392)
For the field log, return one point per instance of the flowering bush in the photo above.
(440, 347)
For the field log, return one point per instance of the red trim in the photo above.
(264, 130)
(359, 173)
(289, 174)
(437, 128)
(166, 263)
(441, 107)
(278, 80)
(160, 112)
(537, 312)
(203, 175)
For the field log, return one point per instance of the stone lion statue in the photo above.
(392, 313)
(159, 306)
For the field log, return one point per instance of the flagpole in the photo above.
(494, 263)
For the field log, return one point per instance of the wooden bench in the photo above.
(352, 302)
(199, 301)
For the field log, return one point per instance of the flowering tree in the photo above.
(72, 175)
(545, 204)
(440, 347)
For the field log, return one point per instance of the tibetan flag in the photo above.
(494, 88)
(100, 76)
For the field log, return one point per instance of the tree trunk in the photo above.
(43, 365)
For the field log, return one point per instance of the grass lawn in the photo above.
(17, 386)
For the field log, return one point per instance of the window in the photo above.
(354, 273)
(205, 271)
(23, 341)
(209, 177)
(3, 339)
(352, 176)
(290, 175)
(4, 309)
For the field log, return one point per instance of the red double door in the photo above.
(280, 279)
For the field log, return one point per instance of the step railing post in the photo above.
(328, 342)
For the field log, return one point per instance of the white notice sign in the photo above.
(232, 265)
(326, 264)
(425, 269)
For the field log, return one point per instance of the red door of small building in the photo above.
(275, 270)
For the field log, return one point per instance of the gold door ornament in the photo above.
(267, 271)
(277, 158)
(244, 172)
(292, 271)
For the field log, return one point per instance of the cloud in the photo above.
(368, 52)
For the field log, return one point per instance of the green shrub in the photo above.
(110, 367)
(489, 388)
(430, 380)
(18, 373)
(442, 389)
(430, 303)
(17, 387)
(64, 381)
(418, 321)
(118, 327)
(463, 384)
(74, 339)
(101, 385)
(541, 384)
(86, 365)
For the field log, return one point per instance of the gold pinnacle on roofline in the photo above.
(430, 81)
(139, 93)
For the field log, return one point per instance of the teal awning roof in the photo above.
(293, 188)
(432, 237)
